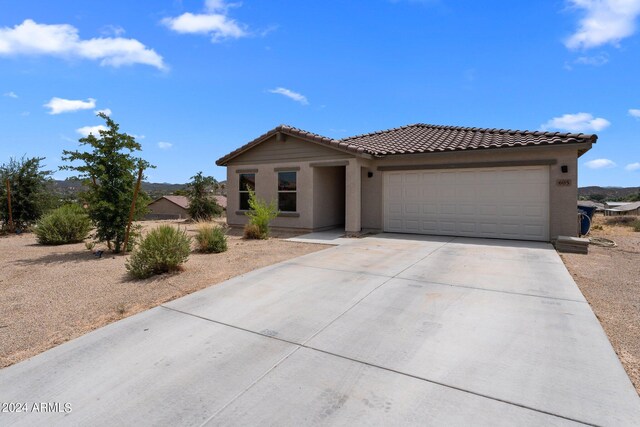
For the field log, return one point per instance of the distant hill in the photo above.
(70, 188)
(607, 193)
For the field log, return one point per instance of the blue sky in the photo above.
(193, 80)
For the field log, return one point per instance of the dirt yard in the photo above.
(610, 280)
(51, 294)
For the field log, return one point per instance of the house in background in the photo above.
(424, 179)
(175, 207)
(169, 207)
(591, 204)
(622, 208)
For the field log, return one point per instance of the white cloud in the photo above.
(112, 30)
(291, 94)
(61, 105)
(10, 95)
(579, 122)
(634, 112)
(633, 166)
(95, 130)
(604, 22)
(164, 145)
(215, 22)
(596, 61)
(105, 111)
(62, 40)
(600, 164)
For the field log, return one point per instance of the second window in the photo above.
(287, 191)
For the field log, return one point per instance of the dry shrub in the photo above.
(211, 238)
(252, 231)
(621, 220)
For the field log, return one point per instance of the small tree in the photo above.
(260, 215)
(109, 172)
(201, 205)
(28, 184)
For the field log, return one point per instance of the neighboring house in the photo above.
(617, 208)
(590, 204)
(424, 179)
(169, 207)
(175, 207)
(222, 201)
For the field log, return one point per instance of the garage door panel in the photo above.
(488, 202)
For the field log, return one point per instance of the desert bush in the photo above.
(252, 231)
(66, 224)
(211, 239)
(260, 215)
(163, 250)
(620, 220)
(636, 225)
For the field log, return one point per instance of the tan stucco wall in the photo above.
(562, 215)
(364, 195)
(165, 207)
(267, 183)
(328, 196)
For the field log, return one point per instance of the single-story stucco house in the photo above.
(169, 207)
(175, 207)
(425, 179)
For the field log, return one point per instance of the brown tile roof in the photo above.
(424, 138)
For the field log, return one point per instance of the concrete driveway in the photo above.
(384, 330)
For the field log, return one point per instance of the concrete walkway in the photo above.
(384, 330)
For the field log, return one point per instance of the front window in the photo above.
(287, 191)
(247, 181)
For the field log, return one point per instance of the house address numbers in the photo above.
(563, 182)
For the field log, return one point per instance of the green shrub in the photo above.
(636, 225)
(66, 224)
(164, 249)
(211, 239)
(260, 215)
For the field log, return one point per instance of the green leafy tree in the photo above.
(201, 205)
(30, 195)
(108, 169)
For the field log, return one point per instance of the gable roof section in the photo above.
(181, 201)
(424, 138)
(291, 131)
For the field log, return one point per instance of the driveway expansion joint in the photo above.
(501, 291)
(304, 345)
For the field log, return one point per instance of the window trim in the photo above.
(287, 170)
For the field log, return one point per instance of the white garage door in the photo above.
(506, 203)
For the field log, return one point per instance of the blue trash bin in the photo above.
(585, 218)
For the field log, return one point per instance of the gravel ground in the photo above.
(610, 280)
(51, 294)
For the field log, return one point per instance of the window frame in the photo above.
(295, 192)
(242, 191)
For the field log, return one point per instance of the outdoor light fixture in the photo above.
(564, 168)
(369, 174)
